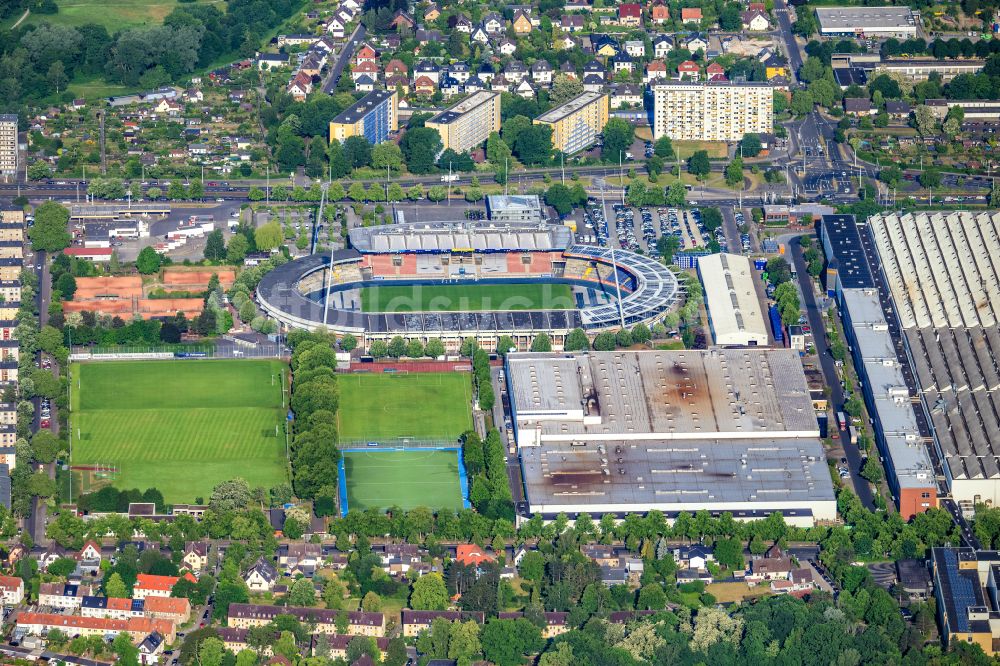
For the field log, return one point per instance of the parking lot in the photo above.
(639, 229)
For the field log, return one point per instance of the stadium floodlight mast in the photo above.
(614, 265)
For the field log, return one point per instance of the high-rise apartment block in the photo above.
(8, 145)
(712, 111)
(468, 124)
(576, 124)
(374, 116)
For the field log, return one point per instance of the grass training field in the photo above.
(383, 407)
(467, 298)
(382, 479)
(181, 426)
(114, 14)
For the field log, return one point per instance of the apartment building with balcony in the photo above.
(725, 111)
(468, 124)
(577, 123)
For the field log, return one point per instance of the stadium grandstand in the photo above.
(605, 290)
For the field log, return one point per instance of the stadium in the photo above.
(452, 281)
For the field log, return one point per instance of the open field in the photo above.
(736, 592)
(686, 149)
(381, 479)
(472, 297)
(180, 426)
(384, 407)
(113, 14)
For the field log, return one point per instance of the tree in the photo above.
(233, 495)
(177, 190)
(397, 347)
(734, 172)
(348, 343)
(429, 593)
(802, 102)
(211, 652)
(676, 193)
(565, 88)
(577, 340)
(872, 470)
(434, 348)
(371, 603)
(463, 641)
(699, 164)
(558, 196)
(505, 642)
(302, 593)
(50, 233)
(663, 147)
(378, 349)
(778, 270)
(930, 178)
(148, 261)
(925, 120)
(420, 148)
(197, 190)
(128, 654)
(541, 343)
(618, 137)
(215, 246)
(237, 249)
(268, 236)
(357, 151)
(39, 171)
(387, 154)
(66, 285)
(534, 145)
(115, 587)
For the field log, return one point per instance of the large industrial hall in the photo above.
(945, 283)
(719, 429)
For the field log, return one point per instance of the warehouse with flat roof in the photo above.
(735, 315)
(944, 280)
(867, 21)
(901, 446)
(630, 431)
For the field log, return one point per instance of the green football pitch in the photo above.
(467, 297)
(382, 479)
(384, 407)
(181, 426)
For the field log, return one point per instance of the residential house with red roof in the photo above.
(365, 54)
(149, 585)
(471, 554)
(396, 66)
(688, 70)
(657, 69)
(659, 13)
(76, 625)
(691, 15)
(12, 589)
(630, 15)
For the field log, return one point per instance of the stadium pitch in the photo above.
(385, 407)
(403, 478)
(181, 426)
(468, 297)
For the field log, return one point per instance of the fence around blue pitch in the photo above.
(375, 447)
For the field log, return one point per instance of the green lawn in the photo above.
(114, 14)
(381, 479)
(181, 426)
(384, 407)
(467, 298)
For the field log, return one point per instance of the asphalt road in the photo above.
(782, 10)
(346, 51)
(813, 314)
